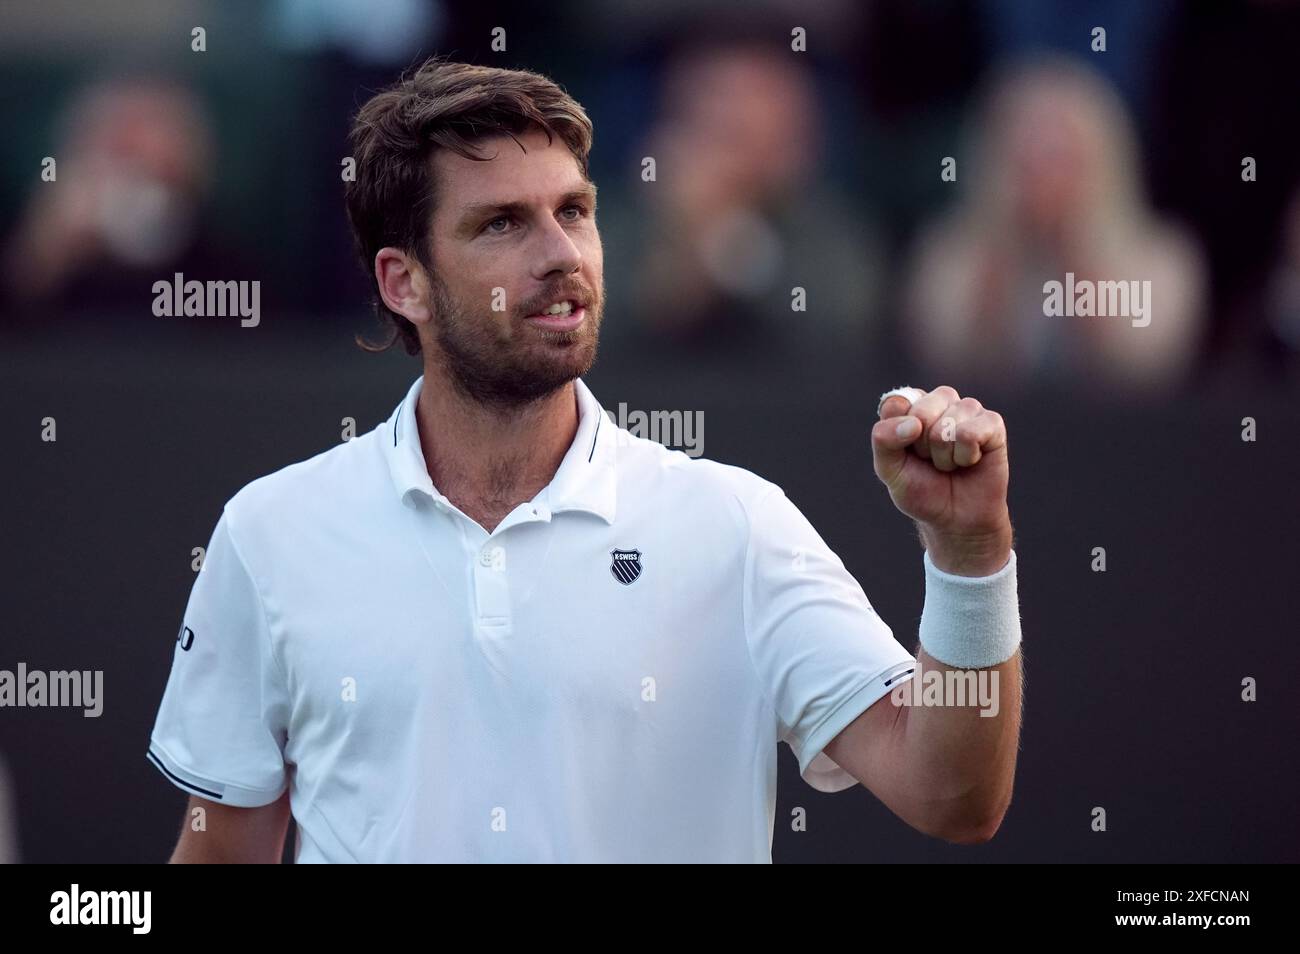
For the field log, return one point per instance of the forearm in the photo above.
(960, 734)
(959, 755)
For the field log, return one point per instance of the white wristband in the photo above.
(970, 622)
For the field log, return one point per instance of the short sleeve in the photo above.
(821, 653)
(223, 720)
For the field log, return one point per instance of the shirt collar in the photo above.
(585, 480)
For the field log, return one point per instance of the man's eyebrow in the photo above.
(480, 209)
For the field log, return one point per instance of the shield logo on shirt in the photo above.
(625, 565)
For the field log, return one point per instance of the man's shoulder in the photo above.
(332, 481)
(652, 468)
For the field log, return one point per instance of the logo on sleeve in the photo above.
(185, 637)
(625, 565)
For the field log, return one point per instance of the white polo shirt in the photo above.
(604, 677)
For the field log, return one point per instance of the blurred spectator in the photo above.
(739, 214)
(134, 162)
(388, 32)
(1052, 186)
(1014, 29)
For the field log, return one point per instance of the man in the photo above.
(499, 628)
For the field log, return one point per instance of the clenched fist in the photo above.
(944, 460)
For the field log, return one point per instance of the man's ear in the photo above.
(403, 284)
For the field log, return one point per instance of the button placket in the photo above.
(490, 568)
(491, 588)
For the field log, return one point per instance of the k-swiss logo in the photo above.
(625, 565)
(185, 637)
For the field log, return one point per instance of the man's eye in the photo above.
(574, 208)
(491, 226)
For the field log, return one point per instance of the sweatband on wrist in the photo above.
(970, 622)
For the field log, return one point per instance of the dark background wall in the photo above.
(1133, 675)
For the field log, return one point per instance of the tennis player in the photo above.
(498, 627)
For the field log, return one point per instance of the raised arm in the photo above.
(940, 752)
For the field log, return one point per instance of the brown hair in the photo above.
(442, 105)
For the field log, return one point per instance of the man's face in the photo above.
(511, 237)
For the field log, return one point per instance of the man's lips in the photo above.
(574, 304)
(562, 322)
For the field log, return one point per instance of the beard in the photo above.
(522, 365)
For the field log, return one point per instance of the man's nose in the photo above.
(556, 253)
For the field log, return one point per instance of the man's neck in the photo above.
(487, 460)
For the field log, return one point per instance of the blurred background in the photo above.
(1169, 156)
